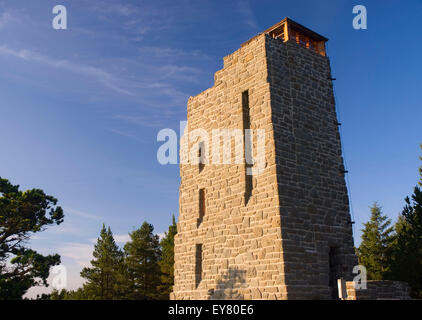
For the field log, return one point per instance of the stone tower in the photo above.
(284, 232)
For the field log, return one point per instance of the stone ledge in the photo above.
(379, 290)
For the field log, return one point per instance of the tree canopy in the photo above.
(103, 277)
(22, 214)
(375, 247)
(142, 254)
(167, 260)
(406, 264)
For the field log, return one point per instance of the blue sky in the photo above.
(81, 108)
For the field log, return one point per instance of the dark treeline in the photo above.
(143, 270)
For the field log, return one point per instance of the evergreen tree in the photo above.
(374, 250)
(167, 260)
(407, 253)
(142, 254)
(420, 169)
(78, 294)
(58, 295)
(103, 276)
(407, 257)
(22, 214)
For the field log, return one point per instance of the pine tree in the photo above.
(407, 257)
(57, 295)
(167, 261)
(374, 250)
(104, 274)
(407, 253)
(22, 214)
(142, 254)
(420, 169)
(78, 294)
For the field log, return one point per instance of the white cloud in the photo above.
(6, 18)
(124, 9)
(100, 75)
(113, 8)
(161, 235)
(136, 20)
(173, 53)
(74, 281)
(179, 72)
(82, 214)
(125, 134)
(121, 238)
(146, 91)
(151, 121)
(65, 228)
(81, 253)
(244, 8)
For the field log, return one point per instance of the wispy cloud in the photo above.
(244, 8)
(161, 235)
(173, 53)
(125, 134)
(81, 253)
(124, 9)
(136, 20)
(82, 214)
(66, 228)
(74, 281)
(150, 121)
(5, 18)
(158, 93)
(113, 8)
(160, 77)
(178, 72)
(105, 78)
(121, 238)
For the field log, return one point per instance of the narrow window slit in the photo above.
(198, 264)
(201, 206)
(247, 145)
(201, 156)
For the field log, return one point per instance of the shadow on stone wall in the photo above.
(229, 286)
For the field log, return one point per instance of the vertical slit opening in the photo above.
(201, 156)
(247, 145)
(198, 264)
(201, 205)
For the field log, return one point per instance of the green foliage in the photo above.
(375, 249)
(23, 213)
(57, 295)
(141, 272)
(407, 253)
(79, 294)
(103, 277)
(420, 169)
(167, 261)
(406, 260)
(142, 254)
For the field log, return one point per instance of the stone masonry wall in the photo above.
(379, 290)
(242, 256)
(314, 204)
(278, 244)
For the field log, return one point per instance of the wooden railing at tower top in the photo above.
(289, 30)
